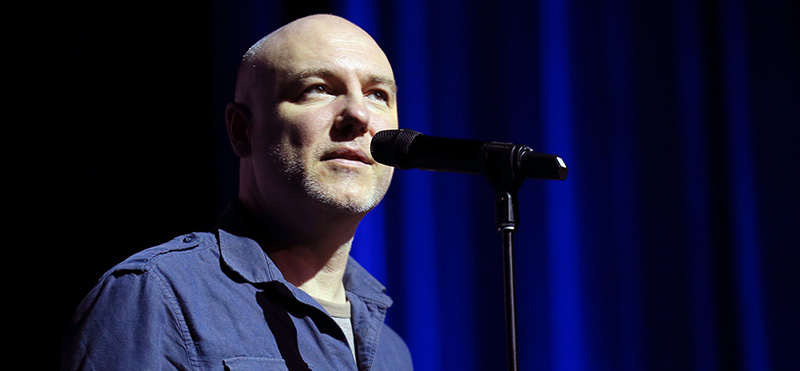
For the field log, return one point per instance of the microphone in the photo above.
(409, 149)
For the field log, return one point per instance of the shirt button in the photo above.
(188, 239)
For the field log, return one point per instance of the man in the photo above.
(274, 287)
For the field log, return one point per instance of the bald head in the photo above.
(288, 45)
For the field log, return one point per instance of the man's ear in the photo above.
(238, 120)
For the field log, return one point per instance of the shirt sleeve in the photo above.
(128, 321)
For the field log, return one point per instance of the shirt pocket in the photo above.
(254, 363)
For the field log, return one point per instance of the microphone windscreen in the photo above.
(390, 147)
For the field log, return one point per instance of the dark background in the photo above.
(673, 245)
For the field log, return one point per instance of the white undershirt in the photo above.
(341, 315)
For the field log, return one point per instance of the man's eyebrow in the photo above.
(386, 81)
(310, 73)
(323, 72)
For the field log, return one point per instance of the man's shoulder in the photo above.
(159, 270)
(393, 353)
(140, 296)
(180, 250)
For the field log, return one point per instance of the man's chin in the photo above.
(350, 202)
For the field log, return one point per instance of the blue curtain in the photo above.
(674, 242)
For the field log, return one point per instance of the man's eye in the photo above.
(379, 95)
(317, 89)
(313, 91)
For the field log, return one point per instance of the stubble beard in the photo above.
(330, 195)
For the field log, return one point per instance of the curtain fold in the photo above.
(673, 244)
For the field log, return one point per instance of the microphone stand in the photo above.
(500, 163)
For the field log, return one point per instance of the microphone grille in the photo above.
(390, 147)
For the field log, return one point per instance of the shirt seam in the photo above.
(152, 269)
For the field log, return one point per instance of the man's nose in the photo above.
(353, 120)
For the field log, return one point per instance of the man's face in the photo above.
(314, 125)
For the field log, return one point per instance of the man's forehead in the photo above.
(316, 54)
(319, 44)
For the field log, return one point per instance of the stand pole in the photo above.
(506, 184)
(508, 285)
(506, 223)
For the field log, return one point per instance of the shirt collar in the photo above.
(242, 254)
(359, 282)
(245, 257)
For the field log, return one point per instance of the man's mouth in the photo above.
(351, 154)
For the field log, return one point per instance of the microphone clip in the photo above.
(500, 167)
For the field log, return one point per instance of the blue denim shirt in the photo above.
(214, 301)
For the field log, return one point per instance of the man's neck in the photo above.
(312, 251)
(319, 275)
